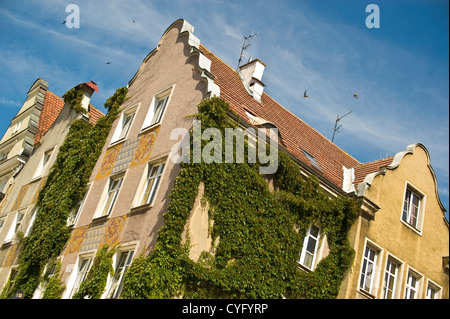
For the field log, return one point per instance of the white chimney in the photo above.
(251, 73)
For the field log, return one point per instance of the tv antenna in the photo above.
(336, 127)
(245, 45)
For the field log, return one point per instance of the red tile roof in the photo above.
(53, 105)
(362, 170)
(295, 133)
(92, 85)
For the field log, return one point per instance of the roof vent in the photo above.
(251, 74)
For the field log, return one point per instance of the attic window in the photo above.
(312, 160)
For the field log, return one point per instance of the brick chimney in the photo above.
(251, 74)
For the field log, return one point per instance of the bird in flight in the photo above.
(355, 95)
(108, 63)
(64, 22)
(304, 94)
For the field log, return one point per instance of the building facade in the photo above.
(128, 191)
(19, 209)
(402, 241)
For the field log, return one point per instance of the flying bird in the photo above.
(355, 95)
(304, 94)
(134, 21)
(108, 63)
(64, 22)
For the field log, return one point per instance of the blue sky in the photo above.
(400, 70)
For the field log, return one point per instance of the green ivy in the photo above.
(74, 97)
(95, 283)
(260, 232)
(53, 286)
(63, 189)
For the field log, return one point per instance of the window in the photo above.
(390, 279)
(126, 118)
(156, 109)
(433, 291)
(412, 285)
(411, 208)
(311, 159)
(33, 217)
(44, 163)
(310, 245)
(15, 226)
(83, 267)
(368, 269)
(124, 262)
(113, 190)
(151, 184)
(75, 212)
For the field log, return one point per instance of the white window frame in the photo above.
(434, 286)
(30, 224)
(164, 97)
(160, 165)
(396, 276)
(374, 278)
(77, 277)
(413, 191)
(121, 132)
(15, 225)
(310, 238)
(115, 285)
(75, 212)
(409, 287)
(105, 196)
(44, 163)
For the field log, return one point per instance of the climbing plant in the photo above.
(74, 97)
(94, 284)
(63, 189)
(259, 232)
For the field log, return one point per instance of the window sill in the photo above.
(414, 229)
(366, 294)
(149, 128)
(141, 208)
(304, 268)
(100, 218)
(115, 143)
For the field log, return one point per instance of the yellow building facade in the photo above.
(402, 242)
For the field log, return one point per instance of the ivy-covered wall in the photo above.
(259, 242)
(63, 189)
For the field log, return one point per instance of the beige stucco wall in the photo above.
(51, 140)
(171, 65)
(422, 250)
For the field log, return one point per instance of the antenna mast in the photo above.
(336, 128)
(245, 45)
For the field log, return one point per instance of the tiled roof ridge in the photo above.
(317, 132)
(296, 135)
(378, 160)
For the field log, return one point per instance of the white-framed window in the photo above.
(433, 291)
(157, 108)
(123, 262)
(412, 212)
(391, 278)
(413, 282)
(123, 127)
(84, 264)
(369, 268)
(30, 224)
(43, 163)
(308, 254)
(17, 221)
(152, 180)
(110, 197)
(75, 212)
(17, 127)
